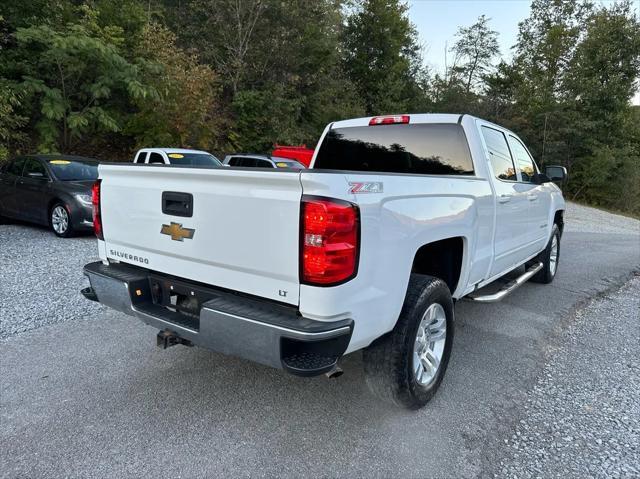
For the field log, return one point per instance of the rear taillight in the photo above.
(330, 236)
(97, 214)
(389, 120)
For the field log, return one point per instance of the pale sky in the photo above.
(437, 22)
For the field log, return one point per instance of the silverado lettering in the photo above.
(123, 255)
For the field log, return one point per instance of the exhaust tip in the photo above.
(336, 372)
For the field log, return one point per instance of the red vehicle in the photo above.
(299, 153)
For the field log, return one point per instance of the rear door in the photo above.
(8, 182)
(240, 230)
(538, 197)
(34, 191)
(511, 225)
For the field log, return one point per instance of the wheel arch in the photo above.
(58, 198)
(52, 202)
(443, 259)
(558, 219)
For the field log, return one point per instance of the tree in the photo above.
(475, 48)
(279, 64)
(602, 76)
(77, 77)
(185, 112)
(545, 46)
(601, 79)
(382, 56)
(11, 122)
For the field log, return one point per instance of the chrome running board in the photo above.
(508, 288)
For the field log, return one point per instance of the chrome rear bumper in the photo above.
(259, 330)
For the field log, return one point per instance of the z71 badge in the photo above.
(365, 187)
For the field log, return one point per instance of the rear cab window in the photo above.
(197, 159)
(421, 148)
(155, 158)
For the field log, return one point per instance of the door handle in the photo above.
(504, 198)
(532, 197)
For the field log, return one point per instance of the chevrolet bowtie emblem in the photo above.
(177, 232)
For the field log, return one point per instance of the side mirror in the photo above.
(36, 174)
(557, 174)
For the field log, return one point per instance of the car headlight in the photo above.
(84, 199)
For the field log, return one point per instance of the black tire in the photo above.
(389, 360)
(548, 272)
(63, 233)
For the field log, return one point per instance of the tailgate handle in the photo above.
(177, 204)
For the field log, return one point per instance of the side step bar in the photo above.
(508, 288)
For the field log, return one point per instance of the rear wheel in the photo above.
(406, 366)
(549, 258)
(60, 221)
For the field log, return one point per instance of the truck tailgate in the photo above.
(245, 225)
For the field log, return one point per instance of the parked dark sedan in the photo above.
(51, 190)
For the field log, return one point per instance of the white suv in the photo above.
(176, 156)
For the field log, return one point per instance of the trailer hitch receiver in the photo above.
(165, 339)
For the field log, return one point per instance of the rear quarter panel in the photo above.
(412, 211)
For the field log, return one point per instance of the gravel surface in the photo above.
(41, 277)
(94, 397)
(582, 418)
(583, 219)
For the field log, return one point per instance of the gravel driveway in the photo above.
(582, 418)
(534, 383)
(41, 275)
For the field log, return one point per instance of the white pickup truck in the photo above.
(399, 217)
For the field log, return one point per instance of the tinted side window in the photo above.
(247, 162)
(424, 149)
(525, 162)
(263, 164)
(140, 157)
(499, 155)
(34, 166)
(156, 158)
(16, 166)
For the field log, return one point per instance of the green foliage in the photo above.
(475, 48)
(568, 93)
(183, 113)
(75, 78)
(279, 65)
(10, 122)
(382, 56)
(227, 75)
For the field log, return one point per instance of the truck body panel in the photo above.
(245, 226)
(245, 231)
